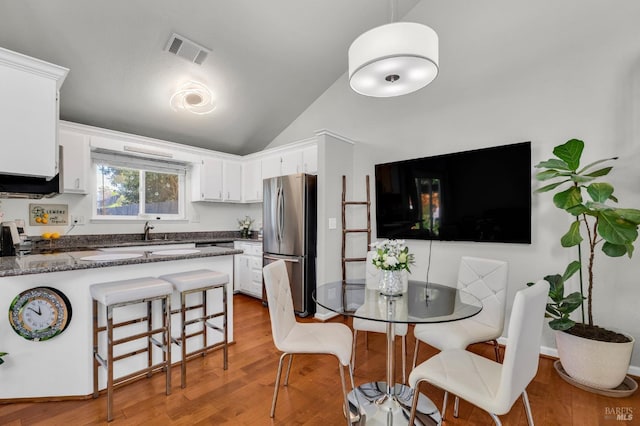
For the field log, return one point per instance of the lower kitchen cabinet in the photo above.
(248, 268)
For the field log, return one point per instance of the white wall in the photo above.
(513, 71)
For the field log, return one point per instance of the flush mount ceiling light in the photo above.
(393, 59)
(194, 97)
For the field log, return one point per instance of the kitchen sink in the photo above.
(111, 257)
(174, 252)
(149, 247)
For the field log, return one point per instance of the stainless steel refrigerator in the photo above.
(289, 233)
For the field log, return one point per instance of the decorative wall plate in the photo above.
(40, 313)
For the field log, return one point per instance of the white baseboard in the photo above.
(326, 316)
(553, 352)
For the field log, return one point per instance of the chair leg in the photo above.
(527, 407)
(496, 348)
(344, 393)
(415, 354)
(110, 363)
(183, 339)
(456, 405)
(277, 386)
(404, 359)
(353, 349)
(444, 403)
(95, 349)
(496, 419)
(286, 378)
(356, 419)
(414, 402)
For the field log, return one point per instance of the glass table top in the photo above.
(421, 303)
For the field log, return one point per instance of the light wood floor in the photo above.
(242, 394)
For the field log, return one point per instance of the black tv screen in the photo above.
(479, 195)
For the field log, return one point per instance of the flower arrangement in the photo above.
(245, 226)
(392, 255)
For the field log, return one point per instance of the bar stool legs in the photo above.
(119, 294)
(199, 281)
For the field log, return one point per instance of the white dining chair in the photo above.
(487, 280)
(292, 337)
(372, 279)
(487, 384)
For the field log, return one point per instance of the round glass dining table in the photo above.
(380, 402)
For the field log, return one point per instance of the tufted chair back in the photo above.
(276, 282)
(487, 280)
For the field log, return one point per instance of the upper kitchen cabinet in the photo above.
(206, 180)
(75, 161)
(29, 114)
(290, 161)
(215, 179)
(310, 160)
(231, 180)
(252, 181)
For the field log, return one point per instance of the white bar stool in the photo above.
(117, 294)
(199, 281)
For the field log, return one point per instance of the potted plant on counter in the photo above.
(245, 226)
(591, 355)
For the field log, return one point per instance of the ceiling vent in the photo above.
(187, 49)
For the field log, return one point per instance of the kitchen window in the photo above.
(129, 187)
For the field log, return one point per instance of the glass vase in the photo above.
(390, 283)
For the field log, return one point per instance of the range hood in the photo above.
(30, 187)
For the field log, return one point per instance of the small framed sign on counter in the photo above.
(48, 214)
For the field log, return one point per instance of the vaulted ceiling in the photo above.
(269, 60)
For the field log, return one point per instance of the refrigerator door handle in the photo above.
(286, 259)
(280, 212)
(277, 211)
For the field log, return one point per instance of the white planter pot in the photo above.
(597, 364)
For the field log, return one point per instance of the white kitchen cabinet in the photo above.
(29, 114)
(252, 181)
(310, 160)
(270, 166)
(76, 162)
(232, 181)
(215, 179)
(292, 161)
(206, 180)
(248, 268)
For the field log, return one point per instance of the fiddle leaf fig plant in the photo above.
(561, 306)
(588, 200)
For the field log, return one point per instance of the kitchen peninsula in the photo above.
(61, 366)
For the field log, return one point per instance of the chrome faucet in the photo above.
(147, 229)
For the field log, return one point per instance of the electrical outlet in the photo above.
(77, 220)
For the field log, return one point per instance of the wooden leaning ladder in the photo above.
(345, 230)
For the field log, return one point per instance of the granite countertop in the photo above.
(71, 260)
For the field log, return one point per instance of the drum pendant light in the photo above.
(393, 59)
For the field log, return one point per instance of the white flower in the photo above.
(391, 255)
(391, 261)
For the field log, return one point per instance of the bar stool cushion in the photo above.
(192, 280)
(111, 293)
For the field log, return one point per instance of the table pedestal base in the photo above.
(380, 408)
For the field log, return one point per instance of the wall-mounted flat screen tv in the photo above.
(479, 195)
